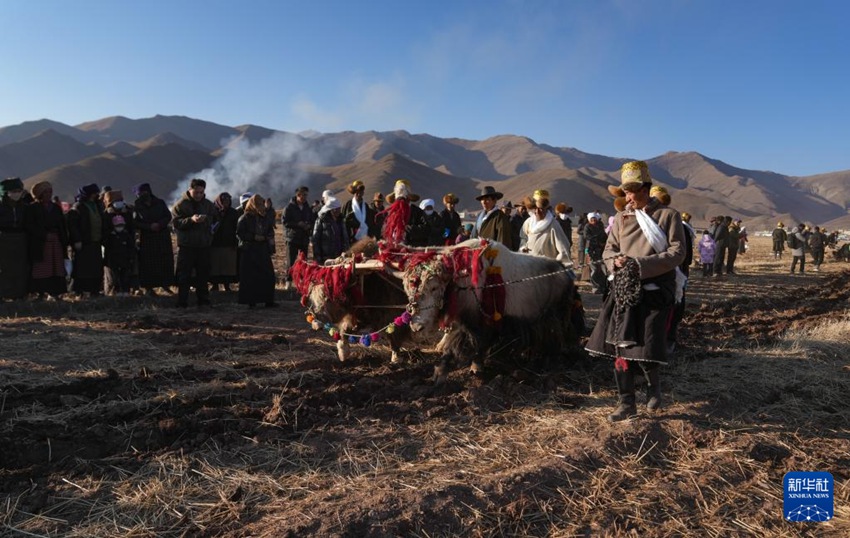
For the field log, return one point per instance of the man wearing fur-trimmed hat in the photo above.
(541, 235)
(358, 216)
(643, 252)
(451, 218)
(492, 223)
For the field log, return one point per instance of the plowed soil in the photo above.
(127, 417)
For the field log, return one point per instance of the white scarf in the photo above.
(538, 226)
(360, 213)
(658, 240)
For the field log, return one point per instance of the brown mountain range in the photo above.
(168, 149)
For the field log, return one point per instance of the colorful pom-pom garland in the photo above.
(366, 339)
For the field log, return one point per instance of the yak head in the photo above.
(425, 285)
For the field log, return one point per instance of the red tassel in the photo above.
(621, 364)
(493, 294)
(398, 216)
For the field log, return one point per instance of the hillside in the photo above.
(277, 160)
(105, 169)
(41, 152)
(207, 134)
(380, 176)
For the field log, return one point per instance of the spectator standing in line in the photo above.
(780, 237)
(594, 240)
(330, 238)
(115, 206)
(707, 249)
(14, 261)
(47, 232)
(151, 218)
(732, 244)
(451, 219)
(86, 226)
(298, 218)
(358, 216)
(797, 244)
(562, 216)
(194, 217)
(224, 269)
(492, 223)
(378, 207)
(817, 245)
(434, 223)
(120, 256)
(720, 233)
(256, 271)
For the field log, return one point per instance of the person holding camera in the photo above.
(194, 219)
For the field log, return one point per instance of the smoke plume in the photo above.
(272, 167)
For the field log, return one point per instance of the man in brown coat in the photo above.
(493, 223)
(644, 249)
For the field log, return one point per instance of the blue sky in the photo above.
(758, 84)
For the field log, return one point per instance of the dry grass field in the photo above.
(130, 418)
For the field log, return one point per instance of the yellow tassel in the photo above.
(495, 270)
(390, 329)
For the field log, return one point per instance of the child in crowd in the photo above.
(465, 233)
(707, 247)
(120, 256)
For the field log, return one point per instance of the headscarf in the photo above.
(86, 191)
(255, 206)
(142, 187)
(332, 203)
(10, 184)
(40, 188)
(219, 200)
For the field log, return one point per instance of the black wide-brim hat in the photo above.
(489, 191)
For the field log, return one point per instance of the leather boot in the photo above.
(626, 394)
(653, 390)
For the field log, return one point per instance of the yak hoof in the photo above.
(343, 350)
(440, 375)
(394, 358)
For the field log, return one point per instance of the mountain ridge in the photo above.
(699, 184)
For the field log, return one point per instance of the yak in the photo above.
(842, 253)
(370, 302)
(488, 297)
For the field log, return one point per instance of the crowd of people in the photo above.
(639, 262)
(102, 245)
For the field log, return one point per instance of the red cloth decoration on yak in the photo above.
(493, 293)
(334, 278)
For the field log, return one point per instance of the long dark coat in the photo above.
(156, 254)
(14, 261)
(256, 271)
(88, 231)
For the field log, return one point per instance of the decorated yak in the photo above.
(356, 302)
(488, 297)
